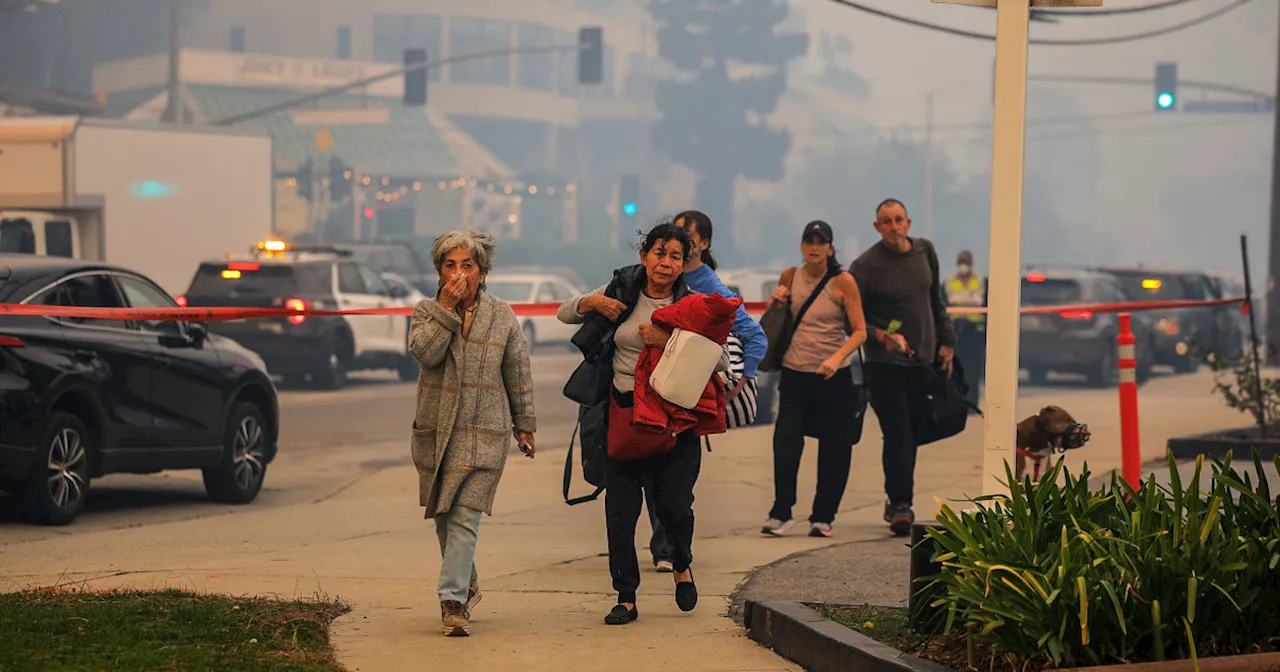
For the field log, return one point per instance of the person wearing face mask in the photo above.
(475, 391)
(969, 290)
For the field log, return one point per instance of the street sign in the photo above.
(324, 140)
(1034, 3)
(1229, 106)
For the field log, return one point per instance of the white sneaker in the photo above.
(665, 567)
(820, 530)
(776, 528)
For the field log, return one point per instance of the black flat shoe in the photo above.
(621, 615)
(687, 594)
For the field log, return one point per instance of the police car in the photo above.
(302, 348)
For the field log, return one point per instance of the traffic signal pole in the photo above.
(390, 74)
(1005, 259)
(1273, 262)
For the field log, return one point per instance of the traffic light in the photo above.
(629, 194)
(340, 178)
(1166, 87)
(305, 179)
(590, 55)
(415, 81)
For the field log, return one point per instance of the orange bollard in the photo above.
(1131, 456)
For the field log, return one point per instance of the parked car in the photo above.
(83, 398)
(399, 258)
(321, 348)
(1078, 341)
(536, 288)
(1185, 336)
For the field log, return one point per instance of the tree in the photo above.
(713, 120)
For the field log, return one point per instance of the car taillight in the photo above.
(1035, 277)
(11, 342)
(181, 301)
(1169, 327)
(298, 305)
(1077, 315)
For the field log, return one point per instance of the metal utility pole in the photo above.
(1273, 263)
(1005, 282)
(928, 166)
(173, 110)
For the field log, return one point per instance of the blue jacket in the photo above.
(754, 343)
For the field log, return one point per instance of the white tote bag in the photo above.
(687, 364)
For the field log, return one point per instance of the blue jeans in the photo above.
(458, 531)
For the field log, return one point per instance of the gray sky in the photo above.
(1169, 188)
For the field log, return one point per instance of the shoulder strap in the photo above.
(568, 475)
(822, 284)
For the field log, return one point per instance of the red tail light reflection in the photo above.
(1077, 315)
(1035, 277)
(181, 301)
(298, 305)
(11, 342)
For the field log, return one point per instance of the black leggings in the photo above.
(810, 405)
(671, 477)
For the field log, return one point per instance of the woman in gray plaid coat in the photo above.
(475, 392)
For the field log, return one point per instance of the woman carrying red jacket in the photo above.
(627, 305)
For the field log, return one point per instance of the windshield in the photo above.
(511, 292)
(1050, 292)
(398, 260)
(1139, 285)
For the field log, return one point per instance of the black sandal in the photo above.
(687, 594)
(621, 615)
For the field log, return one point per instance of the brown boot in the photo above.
(455, 620)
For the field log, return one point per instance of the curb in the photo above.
(803, 636)
(1219, 443)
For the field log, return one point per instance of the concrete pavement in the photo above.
(361, 537)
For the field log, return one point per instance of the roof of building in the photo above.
(412, 142)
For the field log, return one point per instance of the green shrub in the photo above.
(1058, 574)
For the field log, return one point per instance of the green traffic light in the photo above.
(1165, 100)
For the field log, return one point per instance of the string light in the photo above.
(506, 189)
(386, 181)
(512, 219)
(569, 188)
(491, 186)
(440, 185)
(518, 200)
(533, 189)
(367, 180)
(404, 189)
(551, 191)
(417, 186)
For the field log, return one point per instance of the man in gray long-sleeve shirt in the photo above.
(898, 280)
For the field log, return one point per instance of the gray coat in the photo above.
(472, 394)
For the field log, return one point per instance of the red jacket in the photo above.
(712, 317)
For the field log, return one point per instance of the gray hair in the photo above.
(481, 246)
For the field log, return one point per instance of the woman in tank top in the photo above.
(817, 396)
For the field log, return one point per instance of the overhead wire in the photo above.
(1098, 41)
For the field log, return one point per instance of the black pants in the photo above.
(660, 545)
(971, 350)
(827, 409)
(672, 476)
(896, 394)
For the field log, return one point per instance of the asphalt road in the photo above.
(333, 440)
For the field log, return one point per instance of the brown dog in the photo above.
(1050, 431)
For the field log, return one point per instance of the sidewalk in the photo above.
(542, 564)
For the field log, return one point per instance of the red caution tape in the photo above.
(522, 309)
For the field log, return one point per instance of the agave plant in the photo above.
(1059, 574)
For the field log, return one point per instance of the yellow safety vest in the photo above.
(960, 293)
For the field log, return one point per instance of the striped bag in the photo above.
(741, 410)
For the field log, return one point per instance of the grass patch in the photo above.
(77, 631)
(887, 625)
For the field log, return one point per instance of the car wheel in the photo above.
(530, 337)
(238, 478)
(409, 369)
(1106, 372)
(1037, 375)
(333, 372)
(59, 483)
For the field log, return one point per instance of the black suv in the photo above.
(1078, 341)
(1185, 336)
(82, 398)
(296, 347)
